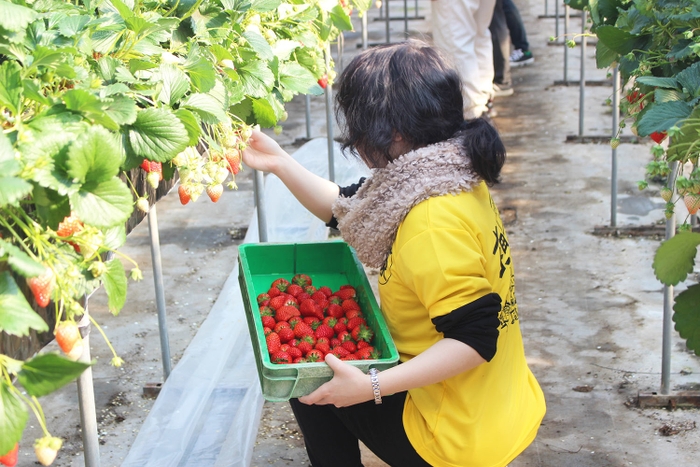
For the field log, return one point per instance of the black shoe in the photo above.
(521, 58)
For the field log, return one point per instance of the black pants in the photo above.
(500, 37)
(331, 434)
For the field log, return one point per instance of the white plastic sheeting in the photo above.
(208, 410)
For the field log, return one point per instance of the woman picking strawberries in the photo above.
(463, 394)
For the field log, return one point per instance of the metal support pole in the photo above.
(329, 121)
(258, 186)
(307, 103)
(566, 48)
(86, 399)
(546, 9)
(668, 298)
(341, 50)
(615, 130)
(582, 84)
(556, 20)
(160, 290)
(405, 18)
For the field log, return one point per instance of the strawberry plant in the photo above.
(656, 46)
(93, 92)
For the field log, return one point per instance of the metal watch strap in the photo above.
(373, 372)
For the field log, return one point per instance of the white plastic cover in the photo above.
(208, 410)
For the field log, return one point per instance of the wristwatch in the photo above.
(374, 379)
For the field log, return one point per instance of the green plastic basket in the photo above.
(331, 263)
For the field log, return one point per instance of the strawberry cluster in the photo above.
(303, 323)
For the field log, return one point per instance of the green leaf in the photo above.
(207, 107)
(340, 19)
(201, 72)
(264, 113)
(259, 44)
(295, 77)
(71, 25)
(283, 48)
(94, 156)
(257, 78)
(51, 207)
(662, 116)
(687, 317)
(10, 86)
(103, 205)
(192, 125)
(619, 40)
(19, 261)
(115, 237)
(604, 56)
(32, 91)
(48, 372)
(157, 135)
(265, 5)
(675, 258)
(684, 145)
(13, 189)
(114, 280)
(690, 79)
(659, 81)
(16, 315)
(13, 417)
(15, 18)
(122, 110)
(175, 84)
(576, 4)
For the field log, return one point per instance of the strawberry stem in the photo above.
(109, 344)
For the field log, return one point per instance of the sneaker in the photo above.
(521, 58)
(502, 90)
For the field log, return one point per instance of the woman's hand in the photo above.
(349, 386)
(263, 153)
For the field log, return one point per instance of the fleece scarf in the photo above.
(369, 220)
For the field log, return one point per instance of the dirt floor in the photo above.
(590, 307)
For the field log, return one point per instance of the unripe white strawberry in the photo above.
(614, 143)
(143, 205)
(46, 449)
(666, 193)
(153, 179)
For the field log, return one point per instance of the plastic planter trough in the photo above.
(330, 263)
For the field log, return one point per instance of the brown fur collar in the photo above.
(368, 221)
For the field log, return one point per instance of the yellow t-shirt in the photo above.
(450, 251)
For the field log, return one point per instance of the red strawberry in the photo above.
(277, 302)
(335, 342)
(184, 194)
(658, 136)
(341, 325)
(312, 321)
(152, 167)
(346, 293)
(350, 346)
(262, 297)
(305, 346)
(215, 191)
(355, 321)
(318, 297)
(367, 353)
(314, 355)
(692, 202)
(324, 330)
(274, 292)
(294, 320)
(268, 321)
(340, 352)
(303, 296)
(280, 357)
(67, 334)
(336, 311)
(324, 347)
(273, 342)
(362, 333)
(344, 336)
(295, 353)
(330, 321)
(335, 300)
(42, 286)
(281, 284)
(69, 226)
(301, 280)
(286, 335)
(310, 308)
(280, 325)
(323, 81)
(266, 310)
(233, 159)
(350, 304)
(299, 360)
(294, 290)
(285, 313)
(10, 458)
(325, 290)
(291, 301)
(266, 331)
(362, 345)
(310, 289)
(302, 329)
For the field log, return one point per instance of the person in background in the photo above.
(502, 83)
(460, 28)
(462, 394)
(521, 54)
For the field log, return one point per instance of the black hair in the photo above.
(409, 88)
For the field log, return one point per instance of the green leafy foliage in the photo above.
(656, 46)
(91, 90)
